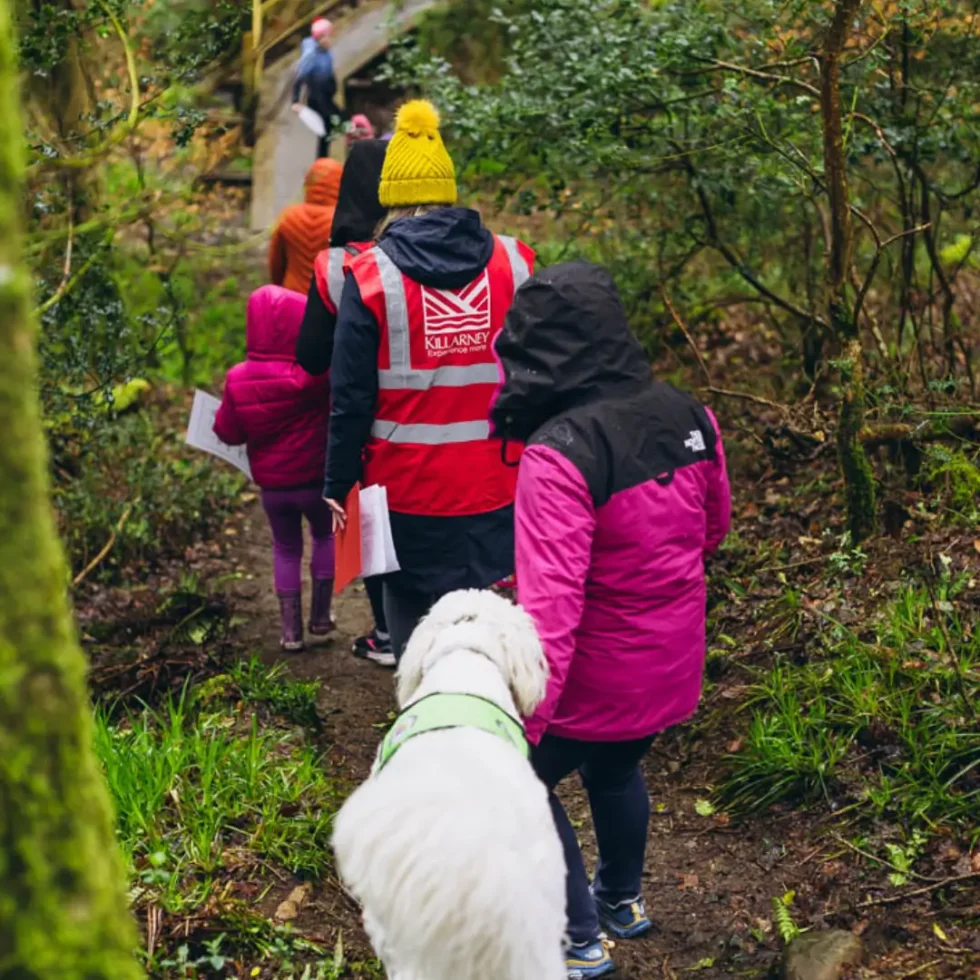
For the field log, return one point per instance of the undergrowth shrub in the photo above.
(957, 475)
(887, 722)
(139, 468)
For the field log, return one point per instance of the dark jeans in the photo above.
(620, 805)
(404, 610)
(374, 586)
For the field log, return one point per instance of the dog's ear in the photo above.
(411, 667)
(523, 661)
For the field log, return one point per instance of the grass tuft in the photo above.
(887, 723)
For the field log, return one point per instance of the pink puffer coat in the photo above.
(271, 404)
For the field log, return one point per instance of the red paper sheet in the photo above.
(349, 544)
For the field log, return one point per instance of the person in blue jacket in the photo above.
(315, 71)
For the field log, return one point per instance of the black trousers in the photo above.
(404, 610)
(620, 805)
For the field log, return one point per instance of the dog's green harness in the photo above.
(436, 712)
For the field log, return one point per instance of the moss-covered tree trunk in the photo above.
(859, 484)
(63, 910)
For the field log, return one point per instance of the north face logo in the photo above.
(457, 320)
(696, 442)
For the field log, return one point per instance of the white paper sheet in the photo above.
(377, 544)
(312, 120)
(200, 433)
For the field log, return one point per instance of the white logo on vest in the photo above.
(457, 321)
(696, 442)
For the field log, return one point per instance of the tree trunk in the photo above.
(859, 486)
(63, 910)
(58, 107)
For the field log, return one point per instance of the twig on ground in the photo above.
(895, 899)
(921, 969)
(687, 334)
(745, 396)
(80, 577)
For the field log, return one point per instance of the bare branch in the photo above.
(687, 334)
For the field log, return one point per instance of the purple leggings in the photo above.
(286, 510)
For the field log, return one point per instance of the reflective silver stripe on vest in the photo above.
(442, 377)
(396, 313)
(518, 266)
(335, 276)
(423, 434)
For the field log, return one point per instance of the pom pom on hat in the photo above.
(417, 118)
(417, 168)
(321, 27)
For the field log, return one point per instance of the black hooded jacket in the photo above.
(577, 380)
(355, 219)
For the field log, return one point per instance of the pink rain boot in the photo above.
(291, 616)
(321, 622)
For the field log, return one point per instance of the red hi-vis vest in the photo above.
(330, 267)
(430, 442)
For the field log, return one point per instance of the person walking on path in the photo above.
(357, 217)
(622, 492)
(280, 413)
(413, 374)
(303, 230)
(315, 73)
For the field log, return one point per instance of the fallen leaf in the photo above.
(298, 897)
(722, 819)
(688, 881)
(734, 745)
(938, 930)
(704, 808)
(976, 545)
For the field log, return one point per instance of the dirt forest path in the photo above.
(709, 884)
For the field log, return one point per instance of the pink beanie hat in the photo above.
(360, 129)
(321, 27)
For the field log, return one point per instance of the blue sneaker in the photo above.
(583, 961)
(625, 920)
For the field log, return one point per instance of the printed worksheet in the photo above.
(200, 433)
(377, 544)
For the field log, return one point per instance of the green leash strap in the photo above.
(436, 712)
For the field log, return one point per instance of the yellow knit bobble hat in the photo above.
(417, 168)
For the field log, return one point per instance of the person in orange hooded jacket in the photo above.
(303, 230)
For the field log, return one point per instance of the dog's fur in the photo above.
(451, 848)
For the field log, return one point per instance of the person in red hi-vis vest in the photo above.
(413, 376)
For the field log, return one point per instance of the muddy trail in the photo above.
(709, 881)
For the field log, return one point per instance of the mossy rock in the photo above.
(822, 955)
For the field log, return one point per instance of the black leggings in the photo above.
(374, 586)
(620, 805)
(404, 610)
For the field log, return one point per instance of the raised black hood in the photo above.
(565, 343)
(445, 249)
(359, 211)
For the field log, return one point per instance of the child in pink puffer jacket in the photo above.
(622, 491)
(280, 413)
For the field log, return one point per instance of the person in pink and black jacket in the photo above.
(280, 413)
(622, 491)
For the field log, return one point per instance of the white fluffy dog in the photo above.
(451, 848)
